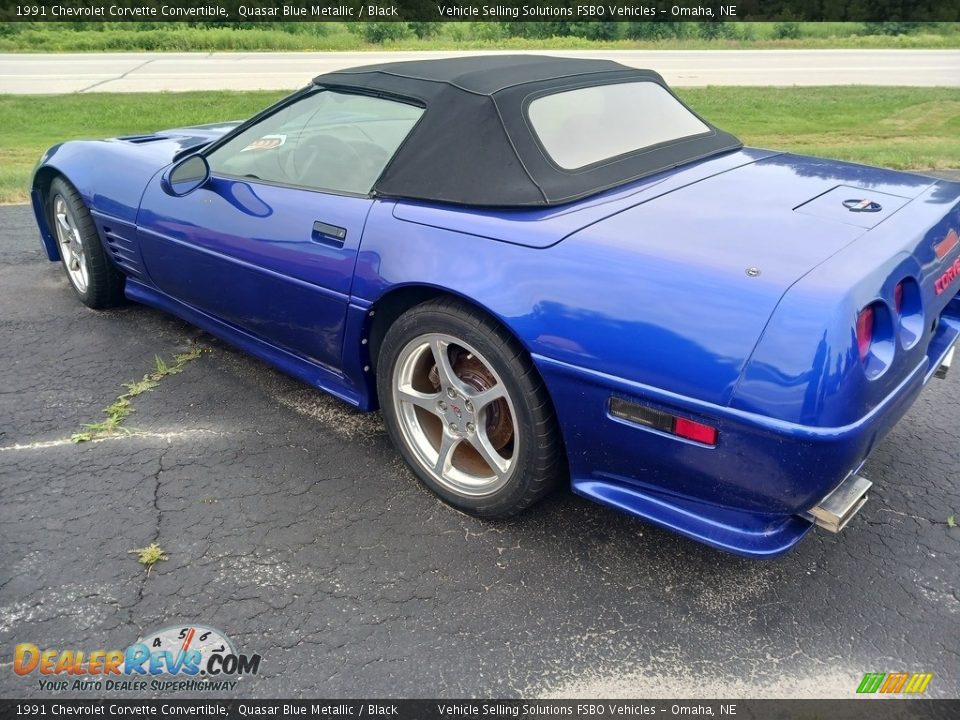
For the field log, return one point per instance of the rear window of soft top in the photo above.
(593, 124)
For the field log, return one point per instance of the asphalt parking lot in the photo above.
(292, 526)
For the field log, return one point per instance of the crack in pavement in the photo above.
(156, 531)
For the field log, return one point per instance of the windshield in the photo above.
(327, 140)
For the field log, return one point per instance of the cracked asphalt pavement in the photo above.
(292, 526)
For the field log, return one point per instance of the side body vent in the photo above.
(123, 250)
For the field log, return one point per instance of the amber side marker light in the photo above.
(664, 422)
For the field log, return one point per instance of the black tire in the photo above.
(536, 456)
(98, 284)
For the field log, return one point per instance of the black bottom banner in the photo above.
(875, 708)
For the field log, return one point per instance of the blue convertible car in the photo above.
(542, 270)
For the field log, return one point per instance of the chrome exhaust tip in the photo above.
(838, 508)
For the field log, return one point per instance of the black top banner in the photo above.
(876, 709)
(254, 11)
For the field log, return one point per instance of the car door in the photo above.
(270, 241)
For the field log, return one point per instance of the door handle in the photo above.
(328, 234)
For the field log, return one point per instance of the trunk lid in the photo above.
(781, 216)
(851, 205)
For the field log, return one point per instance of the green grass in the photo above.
(897, 127)
(335, 36)
(905, 128)
(31, 124)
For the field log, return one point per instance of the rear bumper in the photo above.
(752, 493)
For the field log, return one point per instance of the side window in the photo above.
(328, 140)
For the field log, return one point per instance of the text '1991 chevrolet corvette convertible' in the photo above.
(542, 270)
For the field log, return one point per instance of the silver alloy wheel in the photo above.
(455, 415)
(71, 244)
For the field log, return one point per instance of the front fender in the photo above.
(47, 240)
(110, 175)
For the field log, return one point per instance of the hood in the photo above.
(182, 139)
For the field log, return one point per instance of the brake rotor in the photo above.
(475, 374)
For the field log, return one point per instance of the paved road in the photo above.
(292, 526)
(129, 72)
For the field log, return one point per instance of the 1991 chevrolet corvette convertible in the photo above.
(542, 269)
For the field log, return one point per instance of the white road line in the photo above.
(149, 72)
(168, 436)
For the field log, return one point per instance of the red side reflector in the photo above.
(864, 331)
(664, 422)
(898, 297)
(694, 431)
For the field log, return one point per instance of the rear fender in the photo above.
(806, 366)
(579, 302)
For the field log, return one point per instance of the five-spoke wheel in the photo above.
(71, 244)
(467, 409)
(455, 413)
(97, 282)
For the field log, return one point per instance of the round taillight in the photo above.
(908, 303)
(865, 331)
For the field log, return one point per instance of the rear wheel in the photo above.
(467, 409)
(93, 276)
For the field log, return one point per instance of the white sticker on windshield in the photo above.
(267, 142)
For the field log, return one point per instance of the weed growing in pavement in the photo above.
(117, 411)
(149, 556)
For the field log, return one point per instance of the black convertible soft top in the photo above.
(474, 144)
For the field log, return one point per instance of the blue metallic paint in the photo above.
(309, 372)
(640, 293)
(246, 253)
(114, 183)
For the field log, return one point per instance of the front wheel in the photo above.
(93, 276)
(467, 410)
